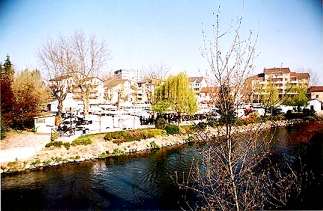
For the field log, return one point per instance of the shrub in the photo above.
(132, 135)
(54, 135)
(103, 155)
(58, 144)
(36, 162)
(160, 123)
(117, 151)
(82, 141)
(153, 145)
(186, 129)
(172, 129)
(278, 117)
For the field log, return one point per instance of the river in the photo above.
(145, 181)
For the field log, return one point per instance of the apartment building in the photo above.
(96, 95)
(281, 78)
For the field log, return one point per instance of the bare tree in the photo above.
(57, 59)
(77, 58)
(235, 171)
(89, 56)
(156, 71)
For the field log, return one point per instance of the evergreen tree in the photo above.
(7, 96)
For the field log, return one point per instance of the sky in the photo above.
(142, 33)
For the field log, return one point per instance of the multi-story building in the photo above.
(281, 78)
(96, 95)
(316, 92)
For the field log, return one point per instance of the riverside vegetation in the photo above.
(103, 145)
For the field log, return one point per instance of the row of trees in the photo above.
(23, 96)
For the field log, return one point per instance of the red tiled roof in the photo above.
(276, 70)
(112, 82)
(300, 75)
(197, 79)
(316, 89)
(209, 89)
(59, 78)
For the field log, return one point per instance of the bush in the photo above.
(153, 145)
(117, 151)
(160, 123)
(186, 129)
(103, 155)
(133, 135)
(172, 129)
(58, 144)
(54, 135)
(82, 141)
(278, 117)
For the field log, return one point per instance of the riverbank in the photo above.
(101, 148)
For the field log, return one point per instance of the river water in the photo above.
(145, 181)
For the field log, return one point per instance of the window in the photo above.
(317, 96)
(40, 121)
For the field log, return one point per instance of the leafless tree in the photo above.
(57, 59)
(156, 71)
(235, 171)
(89, 58)
(78, 58)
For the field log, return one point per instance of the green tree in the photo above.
(298, 97)
(270, 96)
(175, 94)
(31, 95)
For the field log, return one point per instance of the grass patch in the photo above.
(58, 144)
(153, 145)
(117, 152)
(133, 135)
(172, 129)
(103, 155)
(83, 140)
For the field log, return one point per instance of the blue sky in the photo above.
(150, 32)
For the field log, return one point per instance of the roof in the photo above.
(112, 82)
(197, 79)
(209, 89)
(300, 75)
(276, 70)
(316, 89)
(59, 78)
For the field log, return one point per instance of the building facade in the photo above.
(281, 78)
(316, 92)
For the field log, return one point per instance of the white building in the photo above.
(118, 90)
(197, 83)
(315, 104)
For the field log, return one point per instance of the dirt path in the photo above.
(21, 146)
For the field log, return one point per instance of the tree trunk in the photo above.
(85, 105)
(60, 107)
